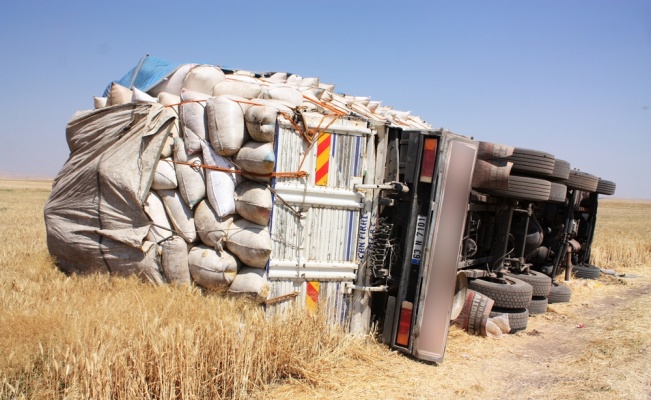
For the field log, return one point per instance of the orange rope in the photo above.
(326, 106)
(297, 174)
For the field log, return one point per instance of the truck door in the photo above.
(428, 222)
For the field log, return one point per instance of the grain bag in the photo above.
(225, 124)
(193, 120)
(139, 96)
(99, 102)
(249, 242)
(174, 260)
(118, 94)
(261, 123)
(179, 214)
(173, 84)
(203, 79)
(212, 269)
(253, 202)
(192, 184)
(155, 210)
(170, 100)
(252, 282)
(257, 158)
(167, 149)
(287, 93)
(165, 175)
(211, 228)
(220, 186)
(278, 77)
(246, 89)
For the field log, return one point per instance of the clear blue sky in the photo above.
(570, 77)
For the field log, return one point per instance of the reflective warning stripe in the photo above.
(322, 160)
(312, 296)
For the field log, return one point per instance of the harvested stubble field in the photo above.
(105, 337)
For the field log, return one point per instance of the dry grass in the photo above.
(103, 337)
(623, 235)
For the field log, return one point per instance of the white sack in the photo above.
(139, 96)
(99, 102)
(249, 90)
(250, 242)
(155, 210)
(261, 123)
(179, 214)
(212, 229)
(118, 94)
(287, 93)
(165, 175)
(212, 269)
(253, 202)
(220, 186)
(174, 260)
(193, 120)
(167, 149)
(294, 79)
(203, 78)
(170, 100)
(174, 83)
(250, 281)
(192, 184)
(225, 124)
(257, 158)
(309, 82)
(278, 77)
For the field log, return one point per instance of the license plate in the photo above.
(419, 238)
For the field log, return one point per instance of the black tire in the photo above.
(540, 283)
(538, 305)
(518, 318)
(582, 181)
(507, 293)
(557, 193)
(586, 271)
(561, 170)
(532, 162)
(605, 187)
(560, 293)
(524, 188)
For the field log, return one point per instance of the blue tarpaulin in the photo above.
(148, 73)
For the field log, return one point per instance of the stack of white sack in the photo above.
(208, 197)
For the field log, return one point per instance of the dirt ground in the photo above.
(595, 347)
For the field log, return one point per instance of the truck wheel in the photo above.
(605, 187)
(540, 283)
(581, 181)
(561, 170)
(557, 193)
(559, 293)
(532, 162)
(524, 188)
(508, 292)
(518, 318)
(586, 271)
(538, 305)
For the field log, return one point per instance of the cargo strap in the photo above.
(297, 174)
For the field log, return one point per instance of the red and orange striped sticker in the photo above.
(322, 159)
(312, 296)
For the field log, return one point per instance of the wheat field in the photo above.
(102, 337)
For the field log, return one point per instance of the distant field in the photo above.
(105, 337)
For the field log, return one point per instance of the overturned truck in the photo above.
(275, 186)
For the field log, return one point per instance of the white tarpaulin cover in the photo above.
(94, 216)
